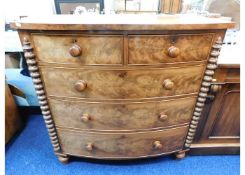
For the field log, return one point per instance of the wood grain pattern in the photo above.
(226, 115)
(229, 115)
(81, 65)
(219, 128)
(122, 84)
(154, 49)
(95, 50)
(206, 82)
(121, 116)
(39, 88)
(121, 145)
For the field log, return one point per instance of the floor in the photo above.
(30, 153)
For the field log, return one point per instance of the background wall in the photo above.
(15, 8)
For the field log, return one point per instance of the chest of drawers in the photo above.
(121, 87)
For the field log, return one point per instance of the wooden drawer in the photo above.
(122, 145)
(94, 50)
(121, 116)
(122, 84)
(158, 49)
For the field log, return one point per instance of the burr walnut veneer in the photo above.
(120, 87)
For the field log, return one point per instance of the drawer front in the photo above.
(79, 50)
(168, 49)
(122, 84)
(121, 116)
(122, 145)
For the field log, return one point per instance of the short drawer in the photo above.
(121, 116)
(79, 50)
(157, 49)
(122, 84)
(122, 145)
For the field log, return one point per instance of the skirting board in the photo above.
(215, 149)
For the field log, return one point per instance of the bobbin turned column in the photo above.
(36, 78)
(202, 96)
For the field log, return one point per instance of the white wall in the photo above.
(14, 8)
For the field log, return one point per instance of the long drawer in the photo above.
(121, 116)
(79, 50)
(157, 49)
(122, 145)
(122, 84)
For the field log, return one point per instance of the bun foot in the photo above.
(63, 159)
(180, 155)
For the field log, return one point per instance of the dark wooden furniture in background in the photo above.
(13, 122)
(121, 87)
(218, 131)
(170, 6)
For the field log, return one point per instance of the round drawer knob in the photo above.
(89, 146)
(168, 84)
(215, 88)
(80, 85)
(162, 116)
(157, 145)
(85, 118)
(173, 51)
(75, 50)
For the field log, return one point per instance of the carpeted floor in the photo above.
(30, 153)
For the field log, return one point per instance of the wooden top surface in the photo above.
(121, 22)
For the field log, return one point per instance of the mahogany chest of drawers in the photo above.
(121, 87)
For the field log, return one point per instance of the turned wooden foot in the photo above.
(63, 159)
(180, 155)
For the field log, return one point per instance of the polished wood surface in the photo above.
(121, 116)
(121, 145)
(219, 129)
(39, 88)
(228, 114)
(79, 50)
(203, 94)
(168, 49)
(224, 117)
(75, 50)
(122, 84)
(122, 22)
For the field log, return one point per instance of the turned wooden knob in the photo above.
(89, 146)
(85, 118)
(162, 116)
(80, 85)
(157, 145)
(75, 50)
(173, 51)
(168, 84)
(215, 88)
